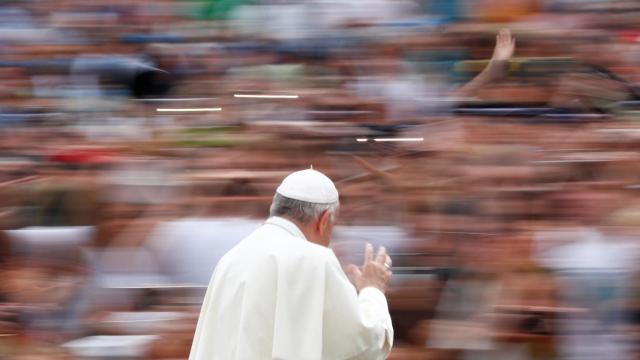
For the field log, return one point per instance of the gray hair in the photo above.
(300, 211)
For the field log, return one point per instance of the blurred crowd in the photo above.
(140, 140)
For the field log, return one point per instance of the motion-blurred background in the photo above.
(140, 140)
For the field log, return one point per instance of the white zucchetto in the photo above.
(309, 185)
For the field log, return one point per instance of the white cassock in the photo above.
(278, 296)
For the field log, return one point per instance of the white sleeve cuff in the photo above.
(374, 294)
(378, 301)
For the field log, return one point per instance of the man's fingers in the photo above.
(353, 272)
(382, 255)
(368, 253)
(504, 37)
(388, 261)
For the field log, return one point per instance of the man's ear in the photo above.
(325, 220)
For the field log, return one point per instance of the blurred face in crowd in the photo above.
(40, 285)
(589, 207)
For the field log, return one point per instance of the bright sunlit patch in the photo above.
(188, 109)
(265, 96)
(178, 99)
(397, 139)
(361, 140)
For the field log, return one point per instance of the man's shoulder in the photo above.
(264, 246)
(319, 254)
(309, 258)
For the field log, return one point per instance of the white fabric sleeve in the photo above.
(356, 326)
(373, 301)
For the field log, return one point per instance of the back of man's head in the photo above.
(304, 195)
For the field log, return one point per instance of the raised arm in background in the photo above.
(497, 68)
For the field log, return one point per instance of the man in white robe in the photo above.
(282, 294)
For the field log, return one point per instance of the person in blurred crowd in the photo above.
(498, 65)
(41, 301)
(282, 294)
(593, 267)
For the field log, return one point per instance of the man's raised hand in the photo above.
(375, 272)
(505, 46)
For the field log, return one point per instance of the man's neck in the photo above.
(307, 230)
